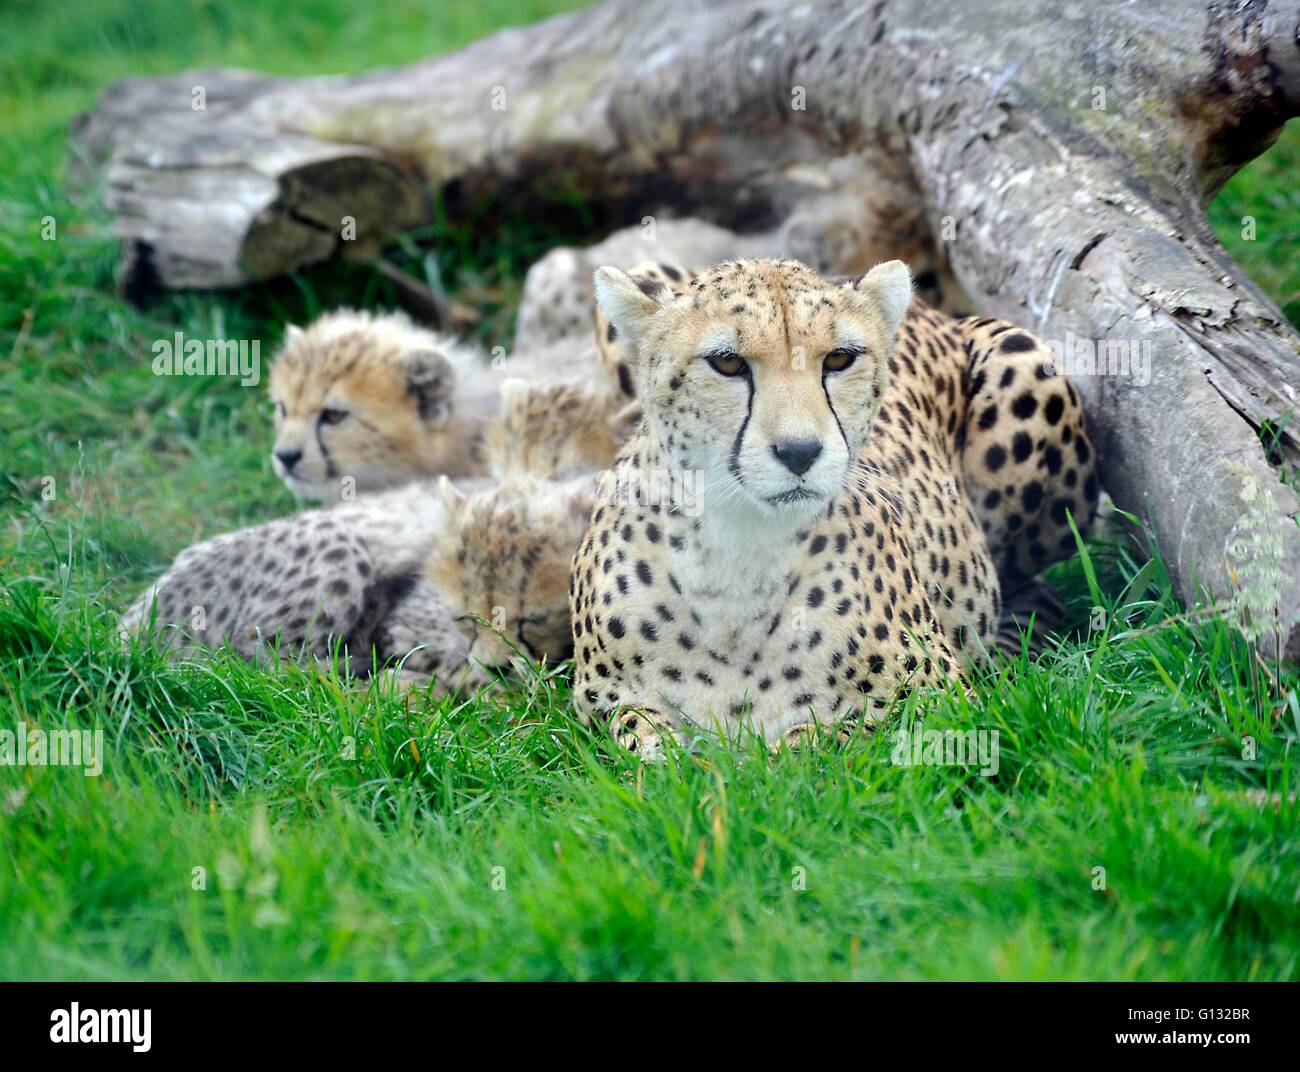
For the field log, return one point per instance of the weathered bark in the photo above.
(963, 135)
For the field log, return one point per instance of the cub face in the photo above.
(364, 402)
(764, 376)
(501, 564)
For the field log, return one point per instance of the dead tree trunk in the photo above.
(1056, 156)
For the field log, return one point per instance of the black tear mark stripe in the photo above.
(827, 392)
(330, 471)
(733, 463)
(523, 640)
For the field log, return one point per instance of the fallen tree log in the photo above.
(1056, 159)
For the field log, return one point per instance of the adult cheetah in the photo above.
(838, 538)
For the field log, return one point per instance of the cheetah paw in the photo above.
(810, 734)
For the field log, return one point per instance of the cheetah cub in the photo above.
(377, 401)
(501, 560)
(346, 579)
(826, 553)
(501, 566)
(419, 580)
(414, 582)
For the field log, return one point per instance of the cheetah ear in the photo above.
(889, 288)
(430, 380)
(292, 334)
(452, 497)
(628, 303)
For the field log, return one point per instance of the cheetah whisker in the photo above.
(726, 487)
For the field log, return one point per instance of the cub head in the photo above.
(502, 565)
(764, 377)
(366, 397)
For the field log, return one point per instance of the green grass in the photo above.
(343, 834)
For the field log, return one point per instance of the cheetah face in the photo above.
(765, 376)
(502, 566)
(379, 423)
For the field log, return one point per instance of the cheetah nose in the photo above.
(288, 458)
(797, 455)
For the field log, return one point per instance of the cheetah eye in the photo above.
(841, 358)
(332, 416)
(726, 362)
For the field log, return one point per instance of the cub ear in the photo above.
(452, 497)
(431, 381)
(628, 303)
(888, 287)
(292, 334)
